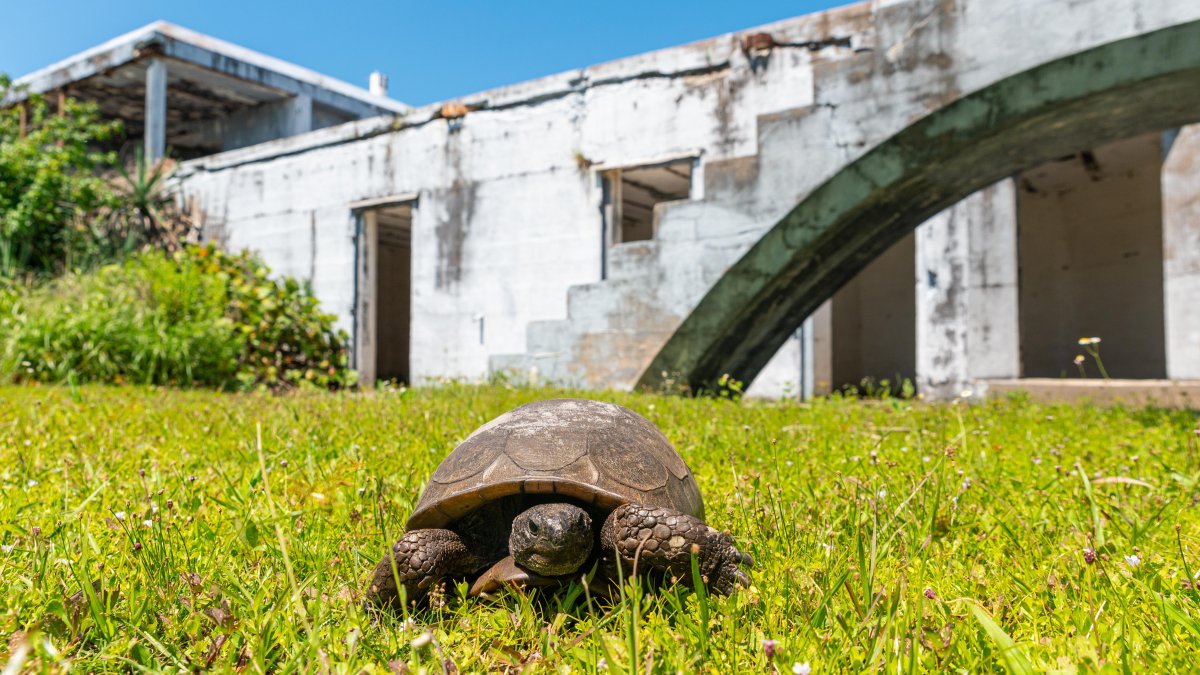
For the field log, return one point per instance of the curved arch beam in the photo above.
(1131, 86)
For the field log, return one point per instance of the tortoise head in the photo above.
(551, 539)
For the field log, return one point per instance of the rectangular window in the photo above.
(632, 193)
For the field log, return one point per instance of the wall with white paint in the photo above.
(507, 229)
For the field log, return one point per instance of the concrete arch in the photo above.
(1126, 87)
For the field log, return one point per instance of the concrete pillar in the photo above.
(782, 377)
(1181, 251)
(819, 328)
(966, 295)
(154, 142)
(366, 288)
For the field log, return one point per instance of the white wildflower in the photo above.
(801, 668)
(119, 515)
(1133, 560)
(422, 640)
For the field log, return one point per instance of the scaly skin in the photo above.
(662, 539)
(423, 557)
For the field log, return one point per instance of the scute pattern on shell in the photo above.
(594, 452)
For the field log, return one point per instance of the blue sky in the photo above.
(430, 50)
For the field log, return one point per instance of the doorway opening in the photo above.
(874, 325)
(384, 293)
(1091, 255)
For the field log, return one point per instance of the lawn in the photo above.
(146, 529)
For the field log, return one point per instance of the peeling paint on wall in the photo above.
(454, 222)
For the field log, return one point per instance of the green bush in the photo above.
(199, 317)
(49, 184)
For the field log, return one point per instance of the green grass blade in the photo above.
(1014, 658)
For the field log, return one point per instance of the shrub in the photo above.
(48, 183)
(198, 317)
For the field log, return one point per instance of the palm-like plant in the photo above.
(146, 213)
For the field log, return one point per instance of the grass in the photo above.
(146, 529)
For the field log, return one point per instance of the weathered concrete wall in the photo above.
(507, 216)
(954, 97)
(966, 295)
(1181, 252)
(267, 121)
(1091, 261)
(507, 228)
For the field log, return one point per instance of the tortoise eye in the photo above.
(533, 527)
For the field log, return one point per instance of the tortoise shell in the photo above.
(588, 451)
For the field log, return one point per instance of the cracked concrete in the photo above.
(507, 226)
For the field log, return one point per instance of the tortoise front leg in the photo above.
(422, 558)
(662, 539)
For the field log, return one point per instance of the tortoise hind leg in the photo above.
(662, 539)
(422, 558)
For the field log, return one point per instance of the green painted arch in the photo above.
(1127, 87)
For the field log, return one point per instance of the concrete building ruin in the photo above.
(582, 228)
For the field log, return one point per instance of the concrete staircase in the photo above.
(614, 327)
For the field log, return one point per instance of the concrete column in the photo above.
(966, 295)
(154, 142)
(783, 374)
(1181, 251)
(820, 327)
(366, 287)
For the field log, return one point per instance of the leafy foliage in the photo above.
(152, 530)
(48, 183)
(198, 317)
(144, 213)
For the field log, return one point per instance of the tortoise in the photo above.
(549, 491)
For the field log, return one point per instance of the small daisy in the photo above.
(801, 668)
